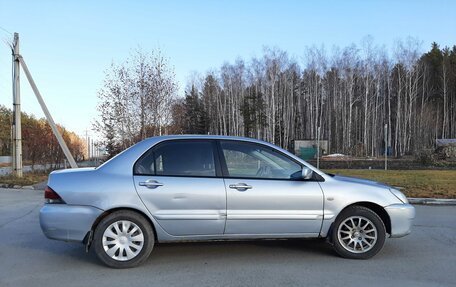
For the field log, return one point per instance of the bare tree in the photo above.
(136, 99)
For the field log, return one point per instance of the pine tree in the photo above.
(195, 115)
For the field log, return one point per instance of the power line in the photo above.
(1, 28)
(7, 41)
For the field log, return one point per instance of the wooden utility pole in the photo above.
(17, 133)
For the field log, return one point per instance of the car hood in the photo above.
(360, 181)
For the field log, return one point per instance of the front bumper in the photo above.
(401, 216)
(67, 222)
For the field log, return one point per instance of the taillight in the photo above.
(50, 196)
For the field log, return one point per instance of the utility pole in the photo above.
(94, 152)
(318, 147)
(88, 148)
(17, 133)
(87, 143)
(386, 146)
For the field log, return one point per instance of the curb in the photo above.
(432, 201)
(31, 187)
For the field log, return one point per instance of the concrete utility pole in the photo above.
(17, 133)
(50, 120)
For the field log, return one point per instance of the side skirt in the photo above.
(231, 237)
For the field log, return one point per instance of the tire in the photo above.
(123, 239)
(358, 233)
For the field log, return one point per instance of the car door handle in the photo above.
(240, 186)
(150, 183)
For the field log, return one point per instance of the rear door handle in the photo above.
(240, 186)
(150, 183)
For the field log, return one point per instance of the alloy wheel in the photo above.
(357, 234)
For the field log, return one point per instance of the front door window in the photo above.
(248, 160)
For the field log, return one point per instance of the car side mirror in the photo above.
(306, 173)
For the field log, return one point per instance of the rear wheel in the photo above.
(358, 233)
(123, 239)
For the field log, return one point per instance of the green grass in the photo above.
(28, 179)
(415, 183)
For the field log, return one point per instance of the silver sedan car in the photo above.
(188, 188)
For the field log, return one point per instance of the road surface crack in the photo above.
(20, 217)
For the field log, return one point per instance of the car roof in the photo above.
(156, 139)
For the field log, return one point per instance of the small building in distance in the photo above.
(446, 148)
(307, 149)
(444, 142)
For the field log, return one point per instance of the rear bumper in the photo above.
(67, 222)
(401, 216)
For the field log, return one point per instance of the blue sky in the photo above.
(68, 44)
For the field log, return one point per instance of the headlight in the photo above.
(399, 195)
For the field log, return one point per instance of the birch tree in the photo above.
(136, 100)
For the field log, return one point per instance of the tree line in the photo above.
(39, 145)
(350, 93)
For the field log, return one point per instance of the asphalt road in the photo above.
(427, 257)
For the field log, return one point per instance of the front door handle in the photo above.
(150, 183)
(240, 186)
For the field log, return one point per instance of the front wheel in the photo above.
(123, 239)
(358, 233)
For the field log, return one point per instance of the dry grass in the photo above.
(27, 179)
(415, 183)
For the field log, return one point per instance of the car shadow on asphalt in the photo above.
(164, 253)
(214, 250)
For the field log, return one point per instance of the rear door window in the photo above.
(178, 158)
